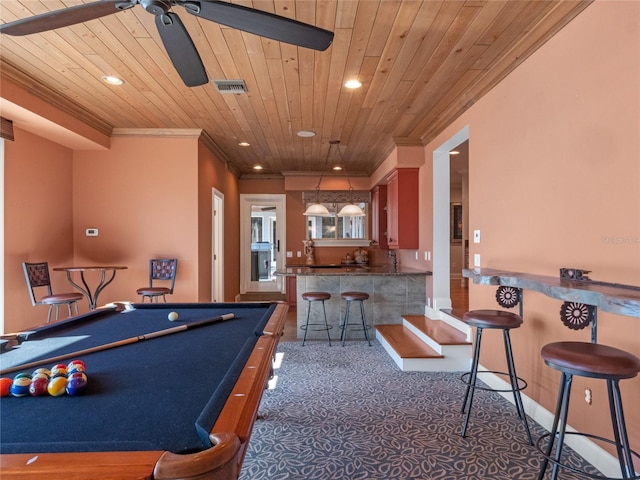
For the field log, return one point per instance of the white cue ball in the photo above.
(173, 316)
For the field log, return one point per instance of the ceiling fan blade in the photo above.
(65, 17)
(260, 23)
(181, 50)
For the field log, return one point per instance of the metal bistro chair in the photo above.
(160, 270)
(37, 276)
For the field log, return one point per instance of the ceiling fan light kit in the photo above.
(176, 40)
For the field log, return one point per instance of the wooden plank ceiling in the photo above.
(421, 63)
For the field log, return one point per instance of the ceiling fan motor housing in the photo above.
(156, 7)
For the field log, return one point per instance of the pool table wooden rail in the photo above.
(230, 436)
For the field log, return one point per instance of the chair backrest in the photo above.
(36, 275)
(163, 269)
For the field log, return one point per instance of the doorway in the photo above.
(458, 231)
(442, 220)
(217, 248)
(262, 234)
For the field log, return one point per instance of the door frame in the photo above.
(246, 201)
(217, 246)
(441, 199)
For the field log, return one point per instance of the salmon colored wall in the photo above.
(553, 182)
(140, 195)
(38, 221)
(214, 174)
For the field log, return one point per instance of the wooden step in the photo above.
(405, 343)
(440, 332)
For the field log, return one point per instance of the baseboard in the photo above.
(606, 463)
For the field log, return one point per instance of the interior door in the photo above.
(217, 248)
(262, 235)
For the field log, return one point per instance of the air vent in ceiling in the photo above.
(230, 86)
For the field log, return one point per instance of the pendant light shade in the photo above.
(351, 210)
(317, 210)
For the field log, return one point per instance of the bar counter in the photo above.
(393, 292)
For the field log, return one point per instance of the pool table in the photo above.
(180, 405)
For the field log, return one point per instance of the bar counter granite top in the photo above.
(345, 269)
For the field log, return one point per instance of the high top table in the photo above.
(610, 297)
(92, 296)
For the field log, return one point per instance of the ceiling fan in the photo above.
(174, 35)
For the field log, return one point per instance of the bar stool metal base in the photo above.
(359, 297)
(594, 361)
(495, 320)
(311, 297)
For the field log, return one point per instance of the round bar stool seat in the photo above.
(591, 360)
(311, 297)
(497, 320)
(354, 297)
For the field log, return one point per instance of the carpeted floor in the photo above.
(349, 413)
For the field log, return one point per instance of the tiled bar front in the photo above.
(390, 297)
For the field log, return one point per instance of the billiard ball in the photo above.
(57, 386)
(23, 375)
(5, 386)
(20, 386)
(39, 386)
(173, 316)
(76, 362)
(76, 384)
(74, 368)
(42, 371)
(59, 370)
(81, 375)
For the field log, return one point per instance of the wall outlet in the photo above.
(588, 396)
(289, 254)
(476, 260)
(416, 255)
(298, 253)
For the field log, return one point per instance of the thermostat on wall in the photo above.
(92, 232)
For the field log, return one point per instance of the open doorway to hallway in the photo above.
(458, 228)
(262, 234)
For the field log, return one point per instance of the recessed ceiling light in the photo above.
(353, 84)
(306, 133)
(257, 167)
(111, 80)
(454, 152)
(244, 144)
(337, 167)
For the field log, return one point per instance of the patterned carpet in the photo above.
(349, 413)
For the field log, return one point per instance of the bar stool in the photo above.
(590, 360)
(505, 321)
(311, 297)
(359, 297)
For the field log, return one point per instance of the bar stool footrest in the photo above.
(522, 384)
(321, 327)
(540, 448)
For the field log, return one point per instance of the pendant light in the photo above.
(318, 209)
(350, 209)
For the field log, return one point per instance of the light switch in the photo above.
(476, 236)
(476, 260)
(289, 254)
(299, 253)
(91, 232)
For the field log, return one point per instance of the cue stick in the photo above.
(120, 343)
